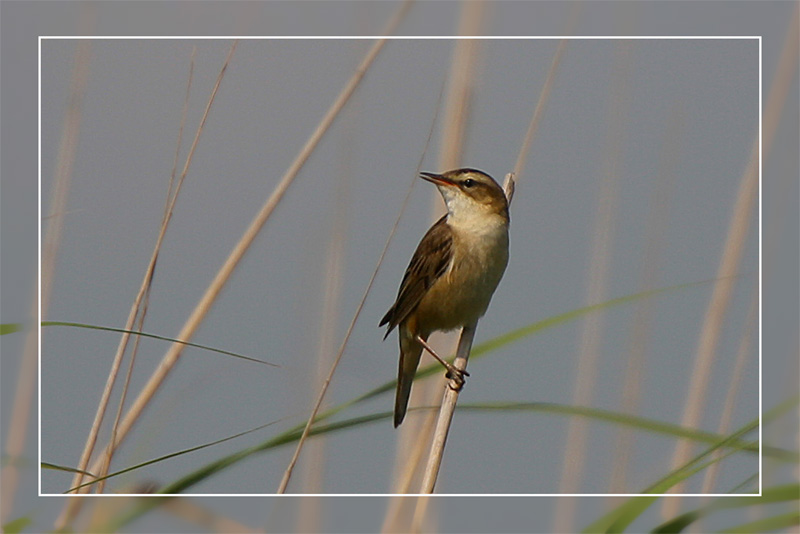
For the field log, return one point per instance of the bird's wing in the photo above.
(429, 262)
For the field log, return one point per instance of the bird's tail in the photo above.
(410, 352)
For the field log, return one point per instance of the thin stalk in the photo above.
(309, 510)
(404, 479)
(91, 439)
(446, 412)
(166, 364)
(148, 284)
(544, 96)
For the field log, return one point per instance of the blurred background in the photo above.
(636, 180)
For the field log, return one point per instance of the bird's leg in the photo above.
(452, 373)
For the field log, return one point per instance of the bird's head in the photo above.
(470, 193)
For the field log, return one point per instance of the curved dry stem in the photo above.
(101, 464)
(148, 283)
(544, 96)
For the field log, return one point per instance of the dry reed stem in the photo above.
(150, 388)
(338, 105)
(26, 379)
(655, 233)
(462, 76)
(309, 514)
(176, 157)
(544, 96)
(143, 289)
(101, 464)
(414, 434)
(509, 186)
(447, 409)
(414, 440)
(450, 160)
(394, 520)
(148, 282)
(731, 255)
(596, 287)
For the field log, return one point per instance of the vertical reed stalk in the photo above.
(447, 409)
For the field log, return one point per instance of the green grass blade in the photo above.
(165, 457)
(162, 338)
(56, 467)
(291, 435)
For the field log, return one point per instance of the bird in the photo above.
(453, 273)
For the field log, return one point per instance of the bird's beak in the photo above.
(437, 179)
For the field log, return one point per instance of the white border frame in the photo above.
(413, 37)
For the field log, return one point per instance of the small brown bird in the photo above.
(453, 273)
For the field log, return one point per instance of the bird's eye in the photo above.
(469, 182)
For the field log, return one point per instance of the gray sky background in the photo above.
(273, 95)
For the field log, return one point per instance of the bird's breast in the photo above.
(462, 294)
